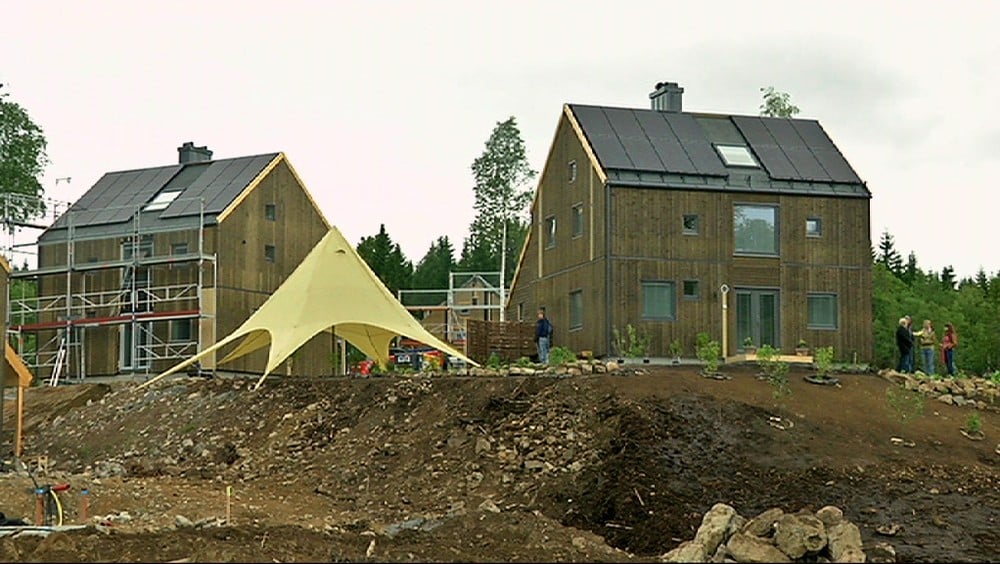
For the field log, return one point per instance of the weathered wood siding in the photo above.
(649, 245)
(547, 275)
(247, 278)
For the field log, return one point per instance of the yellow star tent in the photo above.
(332, 287)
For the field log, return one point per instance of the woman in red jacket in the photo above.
(948, 347)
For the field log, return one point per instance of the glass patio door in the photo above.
(757, 317)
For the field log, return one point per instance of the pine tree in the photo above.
(386, 260)
(889, 256)
(433, 271)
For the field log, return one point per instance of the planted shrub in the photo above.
(561, 355)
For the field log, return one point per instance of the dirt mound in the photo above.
(601, 467)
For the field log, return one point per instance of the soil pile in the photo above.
(599, 467)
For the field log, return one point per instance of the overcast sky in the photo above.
(382, 106)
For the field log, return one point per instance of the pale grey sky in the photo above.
(382, 106)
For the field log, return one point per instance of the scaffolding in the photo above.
(457, 303)
(50, 330)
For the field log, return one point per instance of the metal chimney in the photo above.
(666, 97)
(188, 153)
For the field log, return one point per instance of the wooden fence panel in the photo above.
(510, 340)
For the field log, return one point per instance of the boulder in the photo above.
(798, 535)
(845, 543)
(714, 526)
(763, 524)
(747, 548)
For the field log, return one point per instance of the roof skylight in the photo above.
(162, 200)
(736, 155)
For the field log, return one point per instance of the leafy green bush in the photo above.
(676, 349)
(974, 424)
(634, 344)
(494, 362)
(824, 361)
(561, 355)
(708, 352)
(908, 404)
(524, 362)
(775, 369)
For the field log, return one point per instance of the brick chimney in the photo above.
(666, 97)
(188, 153)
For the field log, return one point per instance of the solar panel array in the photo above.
(117, 195)
(648, 140)
(795, 149)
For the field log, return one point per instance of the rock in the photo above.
(488, 505)
(881, 552)
(798, 535)
(579, 543)
(763, 524)
(830, 515)
(612, 366)
(946, 398)
(482, 445)
(714, 525)
(746, 548)
(183, 522)
(845, 543)
(687, 551)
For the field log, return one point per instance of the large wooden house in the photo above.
(677, 223)
(152, 265)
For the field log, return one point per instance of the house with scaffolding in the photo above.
(151, 265)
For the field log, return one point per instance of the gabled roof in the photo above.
(645, 147)
(196, 190)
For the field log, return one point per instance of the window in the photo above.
(736, 155)
(269, 253)
(550, 231)
(659, 300)
(691, 290)
(571, 173)
(822, 311)
(179, 249)
(162, 200)
(181, 330)
(690, 224)
(814, 227)
(578, 220)
(520, 311)
(270, 212)
(576, 309)
(756, 229)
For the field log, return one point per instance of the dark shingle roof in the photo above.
(205, 188)
(658, 148)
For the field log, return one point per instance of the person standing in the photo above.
(543, 336)
(928, 342)
(904, 342)
(948, 346)
(913, 345)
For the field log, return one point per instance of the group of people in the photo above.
(907, 341)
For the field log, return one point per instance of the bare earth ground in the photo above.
(610, 467)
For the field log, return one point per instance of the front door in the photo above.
(757, 317)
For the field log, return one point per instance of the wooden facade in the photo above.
(199, 282)
(613, 236)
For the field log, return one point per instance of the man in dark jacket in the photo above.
(543, 336)
(904, 342)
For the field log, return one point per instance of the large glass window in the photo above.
(822, 311)
(659, 300)
(181, 330)
(756, 229)
(576, 309)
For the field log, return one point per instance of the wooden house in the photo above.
(679, 223)
(152, 265)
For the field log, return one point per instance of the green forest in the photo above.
(971, 304)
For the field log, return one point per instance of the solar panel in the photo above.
(825, 151)
(665, 143)
(218, 185)
(775, 162)
(694, 141)
(602, 137)
(634, 140)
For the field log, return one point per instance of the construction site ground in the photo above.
(604, 467)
